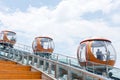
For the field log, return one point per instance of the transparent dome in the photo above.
(96, 50)
(7, 38)
(43, 44)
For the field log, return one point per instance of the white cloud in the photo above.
(64, 23)
(116, 18)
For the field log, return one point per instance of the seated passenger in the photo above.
(12, 38)
(99, 54)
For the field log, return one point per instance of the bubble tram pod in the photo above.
(43, 46)
(7, 39)
(96, 53)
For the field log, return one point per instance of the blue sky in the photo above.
(22, 5)
(66, 21)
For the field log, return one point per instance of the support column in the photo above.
(69, 75)
(38, 63)
(57, 71)
(33, 60)
(49, 68)
(44, 64)
(22, 59)
(27, 60)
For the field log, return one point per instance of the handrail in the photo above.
(23, 47)
(35, 60)
(20, 50)
(19, 46)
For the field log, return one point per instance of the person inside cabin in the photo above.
(12, 38)
(99, 54)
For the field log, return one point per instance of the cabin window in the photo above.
(110, 51)
(82, 52)
(47, 43)
(98, 49)
(11, 36)
(103, 50)
(1, 36)
(34, 44)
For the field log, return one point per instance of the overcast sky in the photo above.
(66, 21)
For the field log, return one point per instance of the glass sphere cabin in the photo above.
(43, 45)
(97, 50)
(7, 38)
